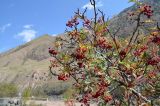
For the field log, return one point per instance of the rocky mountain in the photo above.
(27, 64)
(126, 26)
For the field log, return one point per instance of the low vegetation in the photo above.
(8, 90)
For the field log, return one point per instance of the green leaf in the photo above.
(145, 55)
(83, 36)
(133, 1)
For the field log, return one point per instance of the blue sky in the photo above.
(24, 20)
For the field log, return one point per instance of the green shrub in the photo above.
(26, 94)
(58, 89)
(8, 90)
(39, 92)
(34, 104)
(68, 94)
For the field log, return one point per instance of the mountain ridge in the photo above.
(123, 23)
(24, 45)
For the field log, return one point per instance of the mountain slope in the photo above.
(124, 23)
(20, 64)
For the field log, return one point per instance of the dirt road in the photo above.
(57, 103)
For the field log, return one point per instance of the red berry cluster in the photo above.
(102, 43)
(85, 99)
(81, 49)
(99, 93)
(80, 65)
(146, 9)
(107, 98)
(80, 53)
(74, 34)
(156, 40)
(155, 37)
(72, 22)
(122, 54)
(79, 56)
(102, 88)
(63, 76)
(140, 50)
(52, 52)
(152, 74)
(153, 61)
(86, 22)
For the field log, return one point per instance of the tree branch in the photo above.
(139, 95)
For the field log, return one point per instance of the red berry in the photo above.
(86, 22)
(69, 24)
(63, 77)
(52, 52)
(80, 56)
(140, 50)
(100, 92)
(80, 64)
(122, 54)
(107, 98)
(152, 62)
(156, 40)
(146, 10)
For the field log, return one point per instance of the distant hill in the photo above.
(25, 58)
(27, 64)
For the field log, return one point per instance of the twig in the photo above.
(137, 26)
(158, 27)
(93, 3)
(139, 95)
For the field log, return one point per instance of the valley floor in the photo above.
(57, 103)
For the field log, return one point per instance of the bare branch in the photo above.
(93, 3)
(103, 15)
(137, 26)
(158, 27)
(139, 95)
